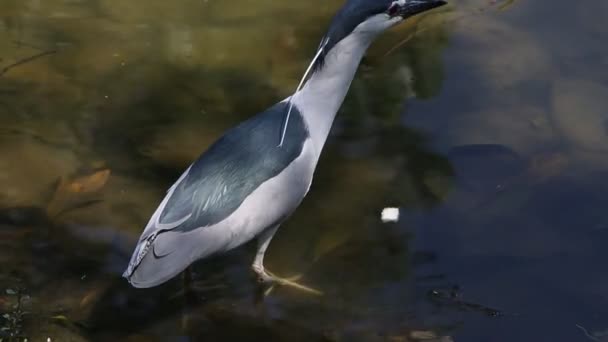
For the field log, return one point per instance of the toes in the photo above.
(301, 287)
(294, 278)
(269, 290)
(266, 277)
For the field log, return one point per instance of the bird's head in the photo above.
(363, 20)
(373, 16)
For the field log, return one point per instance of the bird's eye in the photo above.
(392, 11)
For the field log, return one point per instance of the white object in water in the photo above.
(390, 215)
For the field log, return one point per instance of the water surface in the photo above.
(488, 129)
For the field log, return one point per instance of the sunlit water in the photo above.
(489, 130)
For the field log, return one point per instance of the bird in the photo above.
(253, 177)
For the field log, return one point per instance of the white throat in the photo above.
(321, 97)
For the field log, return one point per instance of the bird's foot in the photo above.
(267, 277)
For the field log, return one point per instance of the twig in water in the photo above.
(506, 5)
(502, 6)
(411, 36)
(25, 60)
(587, 333)
(24, 44)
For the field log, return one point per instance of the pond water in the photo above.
(488, 129)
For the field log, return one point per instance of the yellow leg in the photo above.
(269, 278)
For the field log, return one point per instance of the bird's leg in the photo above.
(187, 278)
(187, 281)
(258, 263)
(188, 294)
(267, 277)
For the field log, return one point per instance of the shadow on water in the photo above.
(145, 123)
(376, 163)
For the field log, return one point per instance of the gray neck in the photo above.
(323, 94)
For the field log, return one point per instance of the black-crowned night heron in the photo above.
(251, 179)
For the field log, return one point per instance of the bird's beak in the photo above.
(413, 7)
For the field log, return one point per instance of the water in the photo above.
(489, 130)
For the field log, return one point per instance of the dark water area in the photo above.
(487, 129)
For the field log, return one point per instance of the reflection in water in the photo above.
(488, 133)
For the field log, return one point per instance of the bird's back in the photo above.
(234, 166)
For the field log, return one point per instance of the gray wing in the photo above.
(232, 168)
(216, 184)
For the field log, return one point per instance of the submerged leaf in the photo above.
(60, 318)
(89, 183)
(423, 335)
(91, 297)
(76, 193)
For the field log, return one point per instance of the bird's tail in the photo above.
(161, 257)
(142, 248)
